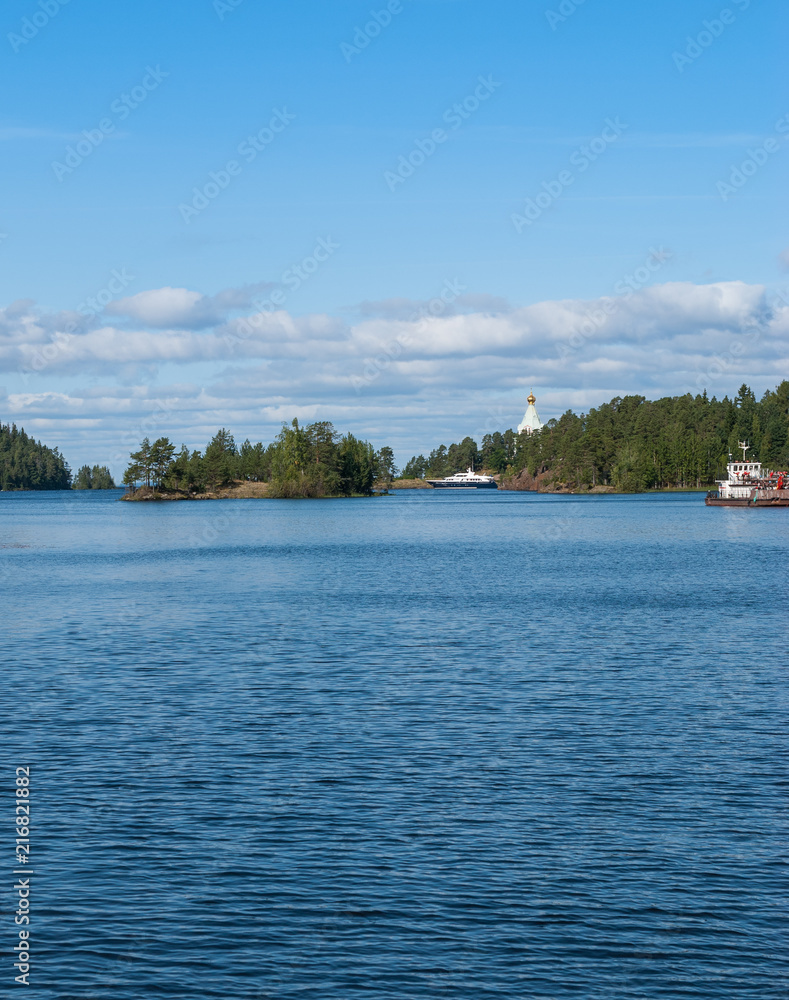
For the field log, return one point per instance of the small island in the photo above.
(97, 477)
(308, 462)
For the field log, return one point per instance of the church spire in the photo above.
(531, 419)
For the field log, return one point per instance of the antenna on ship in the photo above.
(745, 447)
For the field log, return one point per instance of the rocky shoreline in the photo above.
(522, 482)
(543, 483)
(408, 484)
(239, 491)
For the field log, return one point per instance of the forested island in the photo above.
(311, 461)
(628, 445)
(97, 477)
(26, 464)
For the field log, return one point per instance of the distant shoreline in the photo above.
(259, 491)
(238, 491)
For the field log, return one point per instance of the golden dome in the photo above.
(531, 399)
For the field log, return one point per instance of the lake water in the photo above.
(434, 745)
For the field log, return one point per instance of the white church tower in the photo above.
(531, 419)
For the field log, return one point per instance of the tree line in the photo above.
(97, 477)
(310, 461)
(26, 464)
(632, 443)
(497, 453)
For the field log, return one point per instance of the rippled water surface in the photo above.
(430, 745)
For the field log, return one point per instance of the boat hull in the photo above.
(437, 484)
(769, 498)
(747, 503)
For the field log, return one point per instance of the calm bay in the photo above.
(458, 745)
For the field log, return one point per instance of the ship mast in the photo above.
(745, 447)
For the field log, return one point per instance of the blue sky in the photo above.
(621, 123)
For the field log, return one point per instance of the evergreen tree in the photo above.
(254, 462)
(83, 479)
(161, 457)
(26, 464)
(142, 463)
(385, 468)
(311, 462)
(357, 466)
(415, 468)
(221, 459)
(132, 475)
(97, 478)
(101, 478)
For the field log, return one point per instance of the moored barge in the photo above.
(748, 485)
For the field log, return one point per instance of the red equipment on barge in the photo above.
(748, 485)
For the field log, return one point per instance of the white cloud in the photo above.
(180, 308)
(161, 307)
(680, 318)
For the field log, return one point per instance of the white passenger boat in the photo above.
(467, 480)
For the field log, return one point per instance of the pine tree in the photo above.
(221, 459)
(26, 464)
(161, 456)
(142, 462)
